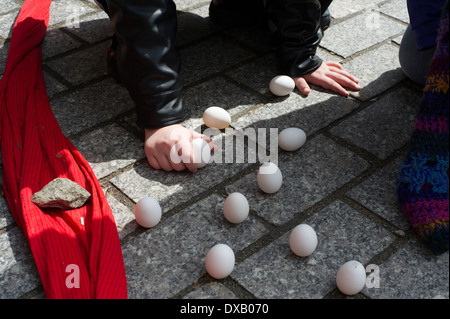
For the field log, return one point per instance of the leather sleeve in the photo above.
(147, 61)
(296, 33)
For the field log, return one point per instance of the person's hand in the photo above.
(159, 143)
(331, 76)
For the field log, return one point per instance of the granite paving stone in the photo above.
(84, 108)
(309, 174)
(368, 29)
(123, 217)
(92, 28)
(377, 71)
(7, 23)
(342, 8)
(256, 74)
(5, 214)
(382, 185)
(188, 5)
(309, 113)
(171, 189)
(165, 259)
(82, 66)
(57, 42)
(397, 9)
(384, 126)
(415, 267)
(3, 56)
(109, 149)
(18, 272)
(218, 92)
(67, 13)
(343, 234)
(212, 290)
(8, 5)
(194, 25)
(209, 57)
(52, 85)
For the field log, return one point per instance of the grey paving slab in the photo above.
(384, 126)
(256, 74)
(188, 5)
(57, 42)
(397, 9)
(309, 113)
(167, 258)
(209, 57)
(84, 108)
(82, 66)
(212, 290)
(194, 25)
(309, 174)
(368, 29)
(398, 40)
(18, 272)
(422, 274)
(7, 23)
(379, 194)
(377, 71)
(218, 92)
(174, 188)
(67, 13)
(123, 216)
(342, 8)
(5, 214)
(109, 149)
(53, 86)
(3, 56)
(343, 234)
(92, 28)
(8, 5)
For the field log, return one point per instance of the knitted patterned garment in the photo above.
(422, 184)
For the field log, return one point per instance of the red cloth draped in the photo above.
(77, 252)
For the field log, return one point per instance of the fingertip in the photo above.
(305, 91)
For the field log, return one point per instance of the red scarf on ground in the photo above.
(77, 252)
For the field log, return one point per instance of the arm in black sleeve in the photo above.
(296, 33)
(148, 63)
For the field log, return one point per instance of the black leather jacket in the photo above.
(148, 63)
(296, 30)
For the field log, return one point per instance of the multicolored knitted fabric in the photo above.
(422, 184)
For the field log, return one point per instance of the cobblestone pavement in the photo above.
(341, 182)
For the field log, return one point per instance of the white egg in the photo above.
(236, 208)
(303, 240)
(269, 178)
(282, 85)
(147, 212)
(219, 261)
(216, 117)
(202, 152)
(291, 139)
(351, 278)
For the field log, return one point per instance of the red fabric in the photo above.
(34, 152)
